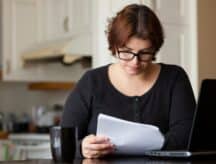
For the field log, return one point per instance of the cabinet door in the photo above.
(65, 18)
(174, 15)
(20, 30)
(172, 11)
(68, 19)
(176, 46)
(81, 16)
(24, 26)
(56, 18)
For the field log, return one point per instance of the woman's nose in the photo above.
(135, 60)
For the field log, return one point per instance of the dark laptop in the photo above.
(202, 139)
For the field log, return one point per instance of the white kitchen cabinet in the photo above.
(175, 18)
(26, 23)
(188, 25)
(19, 29)
(63, 18)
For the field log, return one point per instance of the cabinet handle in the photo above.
(66, 24)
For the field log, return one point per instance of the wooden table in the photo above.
(124, 160)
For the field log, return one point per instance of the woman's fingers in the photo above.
(94, 161)
(96, 146)
(97, 154)
(97, 139)
(99, 147)
(98, 150)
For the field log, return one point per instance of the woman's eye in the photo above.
(145, 53)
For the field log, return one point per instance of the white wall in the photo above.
(15, 97)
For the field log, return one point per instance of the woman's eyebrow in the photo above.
(146, 49)
(128, 48)
(141, 50)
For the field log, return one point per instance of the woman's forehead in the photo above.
(136, 43)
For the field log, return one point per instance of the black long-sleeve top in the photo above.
(169, 104)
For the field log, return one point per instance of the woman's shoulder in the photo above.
(171, 73)
(92, 77)
(172, 69)
(97, 72)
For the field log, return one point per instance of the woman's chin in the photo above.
(133, 72)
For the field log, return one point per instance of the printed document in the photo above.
(130, 137)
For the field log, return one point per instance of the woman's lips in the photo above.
(133, 69)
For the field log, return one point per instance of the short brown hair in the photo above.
(135, 20)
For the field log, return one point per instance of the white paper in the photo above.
(130, 137)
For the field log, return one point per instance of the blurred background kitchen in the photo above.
(47, 45)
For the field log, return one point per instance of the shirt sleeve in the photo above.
(181, 113)
(77, 109)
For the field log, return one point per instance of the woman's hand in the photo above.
(96, 146)
(94, 161)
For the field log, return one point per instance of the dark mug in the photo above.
(63, 143)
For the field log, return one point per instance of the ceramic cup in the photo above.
(63, 143)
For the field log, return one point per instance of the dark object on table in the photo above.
(63, 143)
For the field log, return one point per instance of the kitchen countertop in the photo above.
(25, 146)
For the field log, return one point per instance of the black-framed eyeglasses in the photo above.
(142, 55)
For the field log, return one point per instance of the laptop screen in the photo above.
(203, 134)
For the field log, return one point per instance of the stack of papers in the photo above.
(129, 137)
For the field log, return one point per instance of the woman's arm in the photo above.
(77, 112)
(181, 113)
(77, 109)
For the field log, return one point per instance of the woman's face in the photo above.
(138, 64)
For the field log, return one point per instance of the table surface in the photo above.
(124, 160)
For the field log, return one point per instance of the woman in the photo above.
(135, 88)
